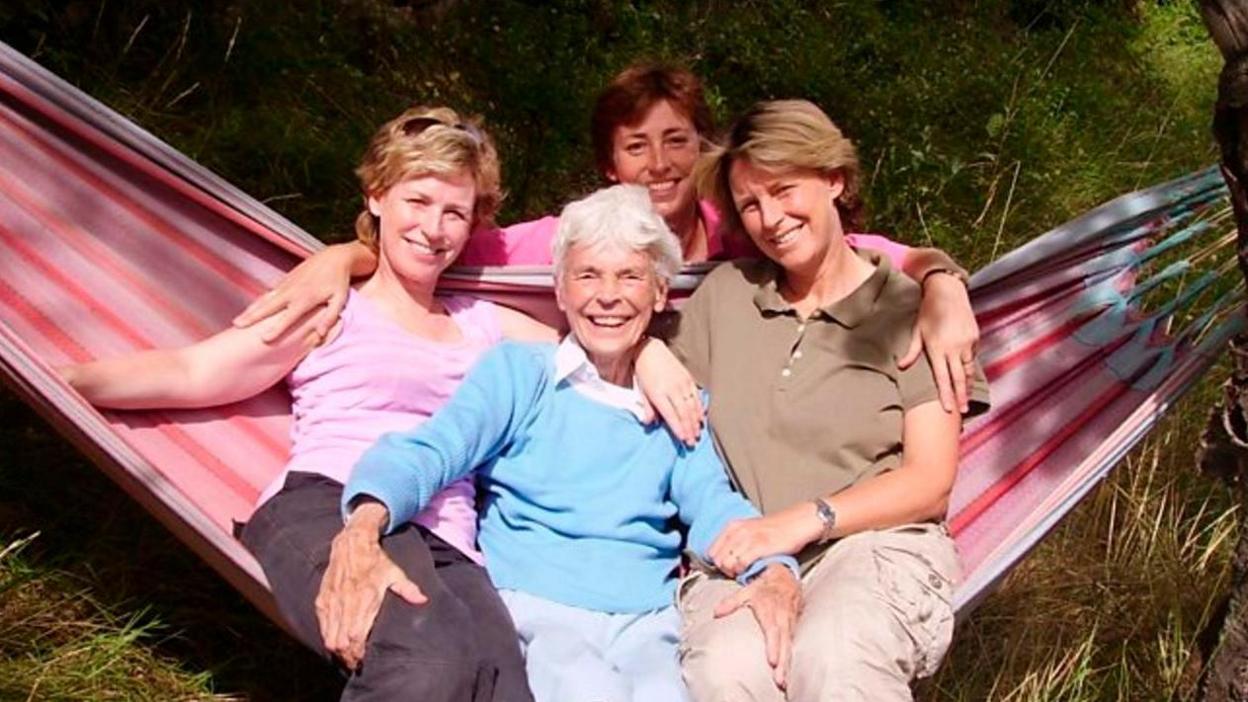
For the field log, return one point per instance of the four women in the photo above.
(858, 499)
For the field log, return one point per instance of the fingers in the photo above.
(648, 413)
(278, 324)
(726, 552)
(409, 591)
(944, 385)
(963, 372)
(359, 613)
(329, 615)
(913, 350)
(682, 412)
(333, 310)
(260, 308)
(784, 653)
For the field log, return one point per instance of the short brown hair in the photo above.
(634, 91)
(429, 141)
(779, 136)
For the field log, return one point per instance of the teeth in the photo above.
(421, 246)
(782, 239)
(663, 186)
(608, 321)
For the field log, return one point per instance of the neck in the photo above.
(686, 225)
(409, 299)
(838, 273)
(617, 371)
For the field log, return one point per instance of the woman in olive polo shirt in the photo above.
(850, 458)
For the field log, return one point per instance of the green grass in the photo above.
(980, 124)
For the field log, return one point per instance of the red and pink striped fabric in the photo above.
(114, 242)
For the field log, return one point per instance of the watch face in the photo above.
(826, 515)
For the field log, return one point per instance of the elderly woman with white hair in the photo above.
(580, 494)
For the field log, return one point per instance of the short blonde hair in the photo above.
(427, 141)
(781, 136)
(622, 216)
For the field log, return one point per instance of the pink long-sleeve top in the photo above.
(528, 243)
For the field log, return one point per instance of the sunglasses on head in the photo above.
(417, 125)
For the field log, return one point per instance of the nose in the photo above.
(772, 213)
(659, 161)
(431, 223)
(608, 292)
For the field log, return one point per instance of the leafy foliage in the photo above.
(980, 123)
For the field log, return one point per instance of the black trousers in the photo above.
(460, 646)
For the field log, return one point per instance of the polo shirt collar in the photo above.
(849, 311)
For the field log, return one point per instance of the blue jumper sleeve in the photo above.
(498, 398)
(705, 501)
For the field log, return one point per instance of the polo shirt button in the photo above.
(801, 327)
(934, 580)
(786, 372)
(797, 353)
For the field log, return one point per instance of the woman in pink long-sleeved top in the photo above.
(648, 127)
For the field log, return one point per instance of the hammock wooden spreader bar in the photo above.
(111, 241)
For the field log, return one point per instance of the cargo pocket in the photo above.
(918, 589)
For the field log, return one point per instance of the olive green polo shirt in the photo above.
(801, 408)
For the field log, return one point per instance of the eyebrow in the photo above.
(744, 200)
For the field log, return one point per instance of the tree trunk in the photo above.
(1225, 446)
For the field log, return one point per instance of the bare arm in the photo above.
(945, 328)
(323, 279)
(519, 326)
(227, 367)
(916, 491)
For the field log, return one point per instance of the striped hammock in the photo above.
(111, 242)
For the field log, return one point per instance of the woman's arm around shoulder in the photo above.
(321, 280)
(945, 328)
(518, 326)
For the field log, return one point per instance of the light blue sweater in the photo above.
(580, 497)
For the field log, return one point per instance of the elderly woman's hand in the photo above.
(322, 279)
(669, 388)
(744, 541)
(355, 584)
(775, 598)
(947, 332)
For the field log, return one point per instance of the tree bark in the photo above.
(1225, 442)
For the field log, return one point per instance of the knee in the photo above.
(861, 657)
(392, 673)
(724, 669)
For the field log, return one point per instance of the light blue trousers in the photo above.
(580, 655)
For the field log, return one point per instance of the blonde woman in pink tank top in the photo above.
(438, 628)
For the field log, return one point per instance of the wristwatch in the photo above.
(827, 516)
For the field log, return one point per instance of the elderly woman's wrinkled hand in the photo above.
(744, 541)
(947, 332)
(355, 584)
(775, 598)
(670, 390)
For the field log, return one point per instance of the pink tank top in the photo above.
(376, 377)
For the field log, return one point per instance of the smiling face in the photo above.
(790, 216)
(425, 222)
(658, 152)
(609, 293)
